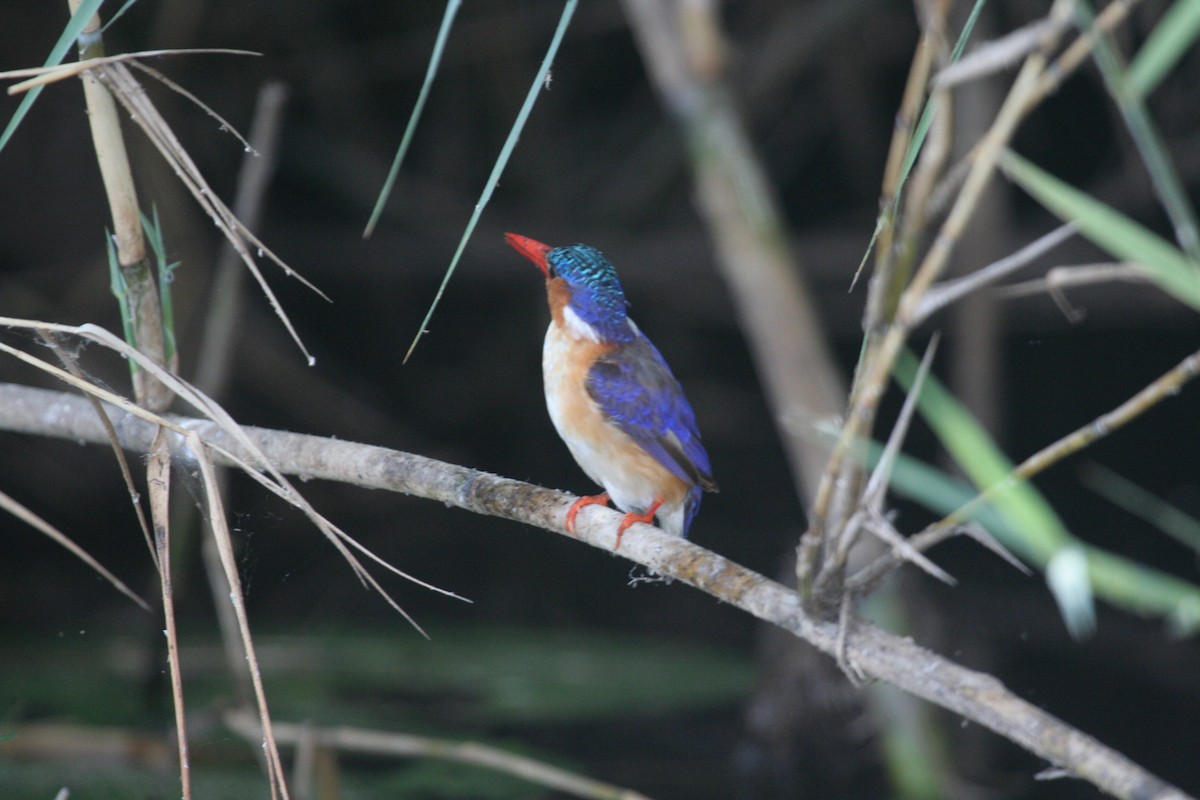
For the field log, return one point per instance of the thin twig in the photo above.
(873, 378)
(47, 75)
(942, 294)
(1078, 51)
(1058, 278)
(225, 125)
(1167, 385)
(22, 513)
(133, 97)
(71, 365)
(258, 467)
(976, 696)
(220, 530)
(386, 743)
(871, 517)
(217, 352)
(1000, 53)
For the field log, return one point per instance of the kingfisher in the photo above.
(612, 397)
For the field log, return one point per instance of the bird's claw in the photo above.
(591, 500)
(646, 516)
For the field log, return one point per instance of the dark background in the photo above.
(599, 162)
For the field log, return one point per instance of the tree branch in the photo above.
(976, 696)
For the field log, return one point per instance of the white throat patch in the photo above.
(577, 327)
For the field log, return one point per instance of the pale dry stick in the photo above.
(943, 294)
(162, 554)
(31, 519)
(158, 486)
(130, 93)
(1079, 50)
(976, 696)
(158, 507)
(1000, 53)
(1059, 278)
(893, 265)
(200, 454)
(361, 741)
(218, 523)
(71, 365)
(225, 125)
(774, 304)
(877, 486)
(68, 361)
(158, 478)
(222, 320)
(1062, 68)
(888, 277)
(43, 76)
(273, 480)
(916, 210)
(133, 97)
(875, 375)
(870, 515)
(140, 295)
(1166, 385)
(911, 102)
(260, 469)
(871, 506)
(902, 200)
(881, 477)
(80, 745)
(306, 761)
(225, 297)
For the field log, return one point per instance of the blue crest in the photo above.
(596, 293)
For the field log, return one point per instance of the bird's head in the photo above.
(580, 281)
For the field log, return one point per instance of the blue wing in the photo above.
(636, 391)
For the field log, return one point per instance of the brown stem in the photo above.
(141, 289)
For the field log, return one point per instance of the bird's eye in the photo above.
(551, 271)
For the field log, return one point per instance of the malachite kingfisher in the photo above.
(612, 397)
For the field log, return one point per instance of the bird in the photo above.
(612, 397)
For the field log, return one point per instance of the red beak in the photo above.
(532, 249)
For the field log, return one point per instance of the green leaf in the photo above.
(166, 276)
(435, 59)
(1141, 503)
(1109, 229)
(498, 168)
(1167, 182)
(1174, 35)
(918, 138)
(1115, 579)
(1040, 535)
(79, 19)
(120, 13)
(120, 291)
(964, 438)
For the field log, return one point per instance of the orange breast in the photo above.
(632, 477)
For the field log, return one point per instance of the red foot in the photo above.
(647, 516)
(593, 500)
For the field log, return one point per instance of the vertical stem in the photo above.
(682, 47)
(141, 290)
(158, 481)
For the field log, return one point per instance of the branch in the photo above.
(362, 741)
(974, 695)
